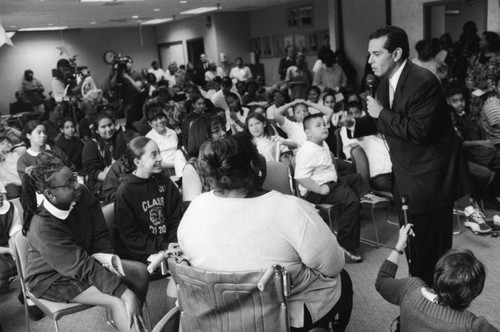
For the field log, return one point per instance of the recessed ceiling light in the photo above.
(157, 21)
(135, 16)
(44, 28)
(183, 1)
(156, 9)
(199, 10)
(13, 26)
(93, 22)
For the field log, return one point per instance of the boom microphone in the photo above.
(371, 83)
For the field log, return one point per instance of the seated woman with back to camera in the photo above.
(255, 229)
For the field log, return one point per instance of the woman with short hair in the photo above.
(240, 227)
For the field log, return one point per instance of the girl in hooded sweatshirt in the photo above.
(148, 206)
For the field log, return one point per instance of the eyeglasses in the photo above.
(70, 183)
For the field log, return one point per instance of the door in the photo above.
(195, 48)
(171, 52)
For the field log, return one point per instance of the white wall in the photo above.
(232, 35)
(272, 21)
(360, 18)
(37, 51)
(187, 29)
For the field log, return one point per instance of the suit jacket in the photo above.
(428, 164)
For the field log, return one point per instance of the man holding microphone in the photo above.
(409, 109)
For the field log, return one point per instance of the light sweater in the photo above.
(240, 234)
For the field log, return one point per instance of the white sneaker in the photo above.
(475, 220)
(372, 199)
(496, 220)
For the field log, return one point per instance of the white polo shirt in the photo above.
(315, 162)
(167, 143)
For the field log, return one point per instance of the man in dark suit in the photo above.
(428, 165)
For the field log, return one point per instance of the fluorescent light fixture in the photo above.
(200, 10)
(135, 16)
(110, 0)
(43, 29)
(157, 21)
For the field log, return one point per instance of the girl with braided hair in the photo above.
(65, 226)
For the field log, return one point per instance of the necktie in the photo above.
(391, 94)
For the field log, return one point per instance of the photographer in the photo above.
(126, 84)
(64, 79)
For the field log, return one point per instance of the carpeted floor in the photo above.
(370, 313)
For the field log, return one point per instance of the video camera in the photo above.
(68, 72)
(120, 62)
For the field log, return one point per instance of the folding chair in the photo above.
(229, 301)
(361, 165)
(55, 310)
(277, 178)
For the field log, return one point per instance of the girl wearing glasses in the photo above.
(65, 226)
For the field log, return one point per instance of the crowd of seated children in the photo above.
(458, 279)
(268, 142)
(164, 137)
(65, 226)
(202, 129)
(34, 137)
(98, 153)
(280, 229)
(70, 143)
(9, 155)
(148, 205)
(319, 183)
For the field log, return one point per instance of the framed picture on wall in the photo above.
(287, 41)
(293, 17)
(312, 45)
(300, 43)
(306, 16)
(267, 50)
(256, 46)
(278, 49)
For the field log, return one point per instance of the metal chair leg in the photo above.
(57, 326)
(148, 316)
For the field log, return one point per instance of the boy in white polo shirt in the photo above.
(319, 183)
(164, 137)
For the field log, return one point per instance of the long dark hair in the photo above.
(135, 149)
(106, 148)
(268, 130)
(28, 129)
(36, 179)
(200, 132)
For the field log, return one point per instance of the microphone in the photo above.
(371, 83)
(404, 206)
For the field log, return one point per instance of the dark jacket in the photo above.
(63, 247)
(147, 214)
(427, 160)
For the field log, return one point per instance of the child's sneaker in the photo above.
(372, 199)
(475, 220)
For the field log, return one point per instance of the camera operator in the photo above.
(64, 79)
(126, 84)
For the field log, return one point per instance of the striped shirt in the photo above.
(490, 119)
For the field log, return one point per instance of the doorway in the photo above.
(195, 48)
(450, 16)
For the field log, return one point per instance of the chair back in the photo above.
(295, 184)
(108, 211)
(231, 301)
(20, 245)
(360, 162)
(277, 178)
